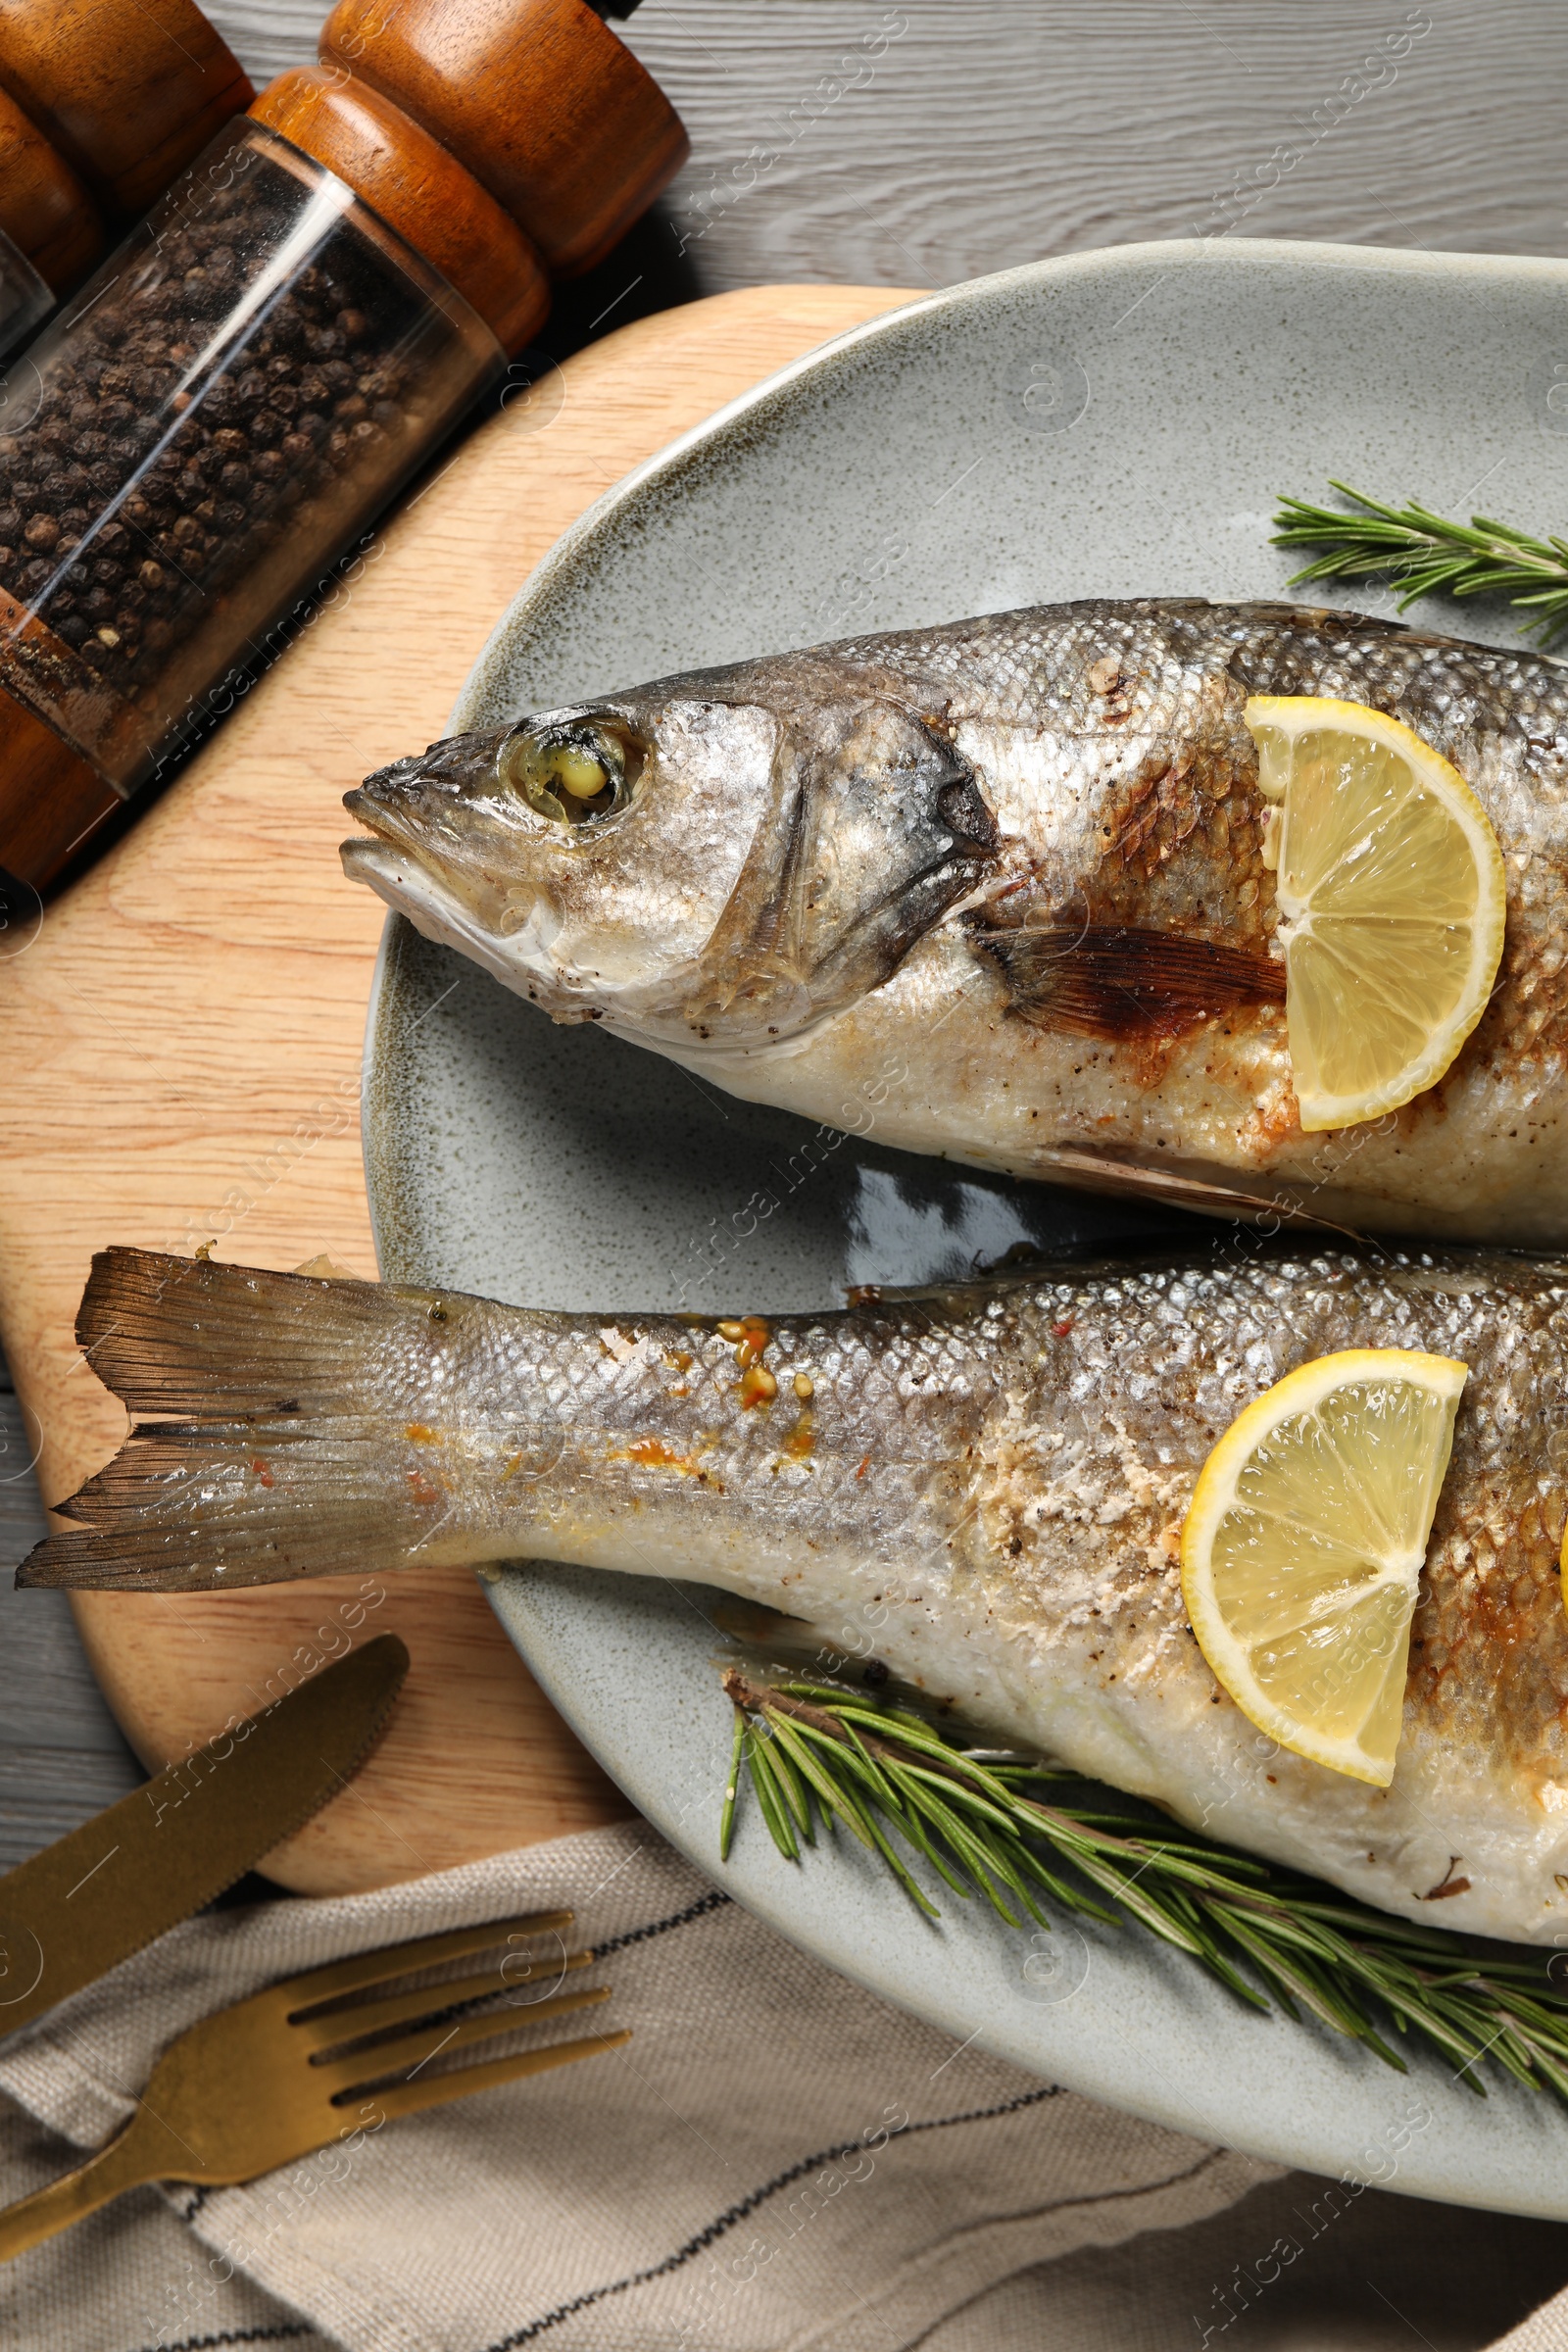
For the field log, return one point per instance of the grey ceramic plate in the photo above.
(1114, 424)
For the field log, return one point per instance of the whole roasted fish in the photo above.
(1016, 865)
(983, 1487)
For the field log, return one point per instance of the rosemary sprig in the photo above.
(1422, 553)
(817, 1754)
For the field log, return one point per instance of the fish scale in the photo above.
(985, 1486)
(1006, 879)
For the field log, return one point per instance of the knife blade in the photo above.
(101, 1893)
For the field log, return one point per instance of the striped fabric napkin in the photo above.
(776, 2160)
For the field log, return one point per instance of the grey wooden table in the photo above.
(916, 144)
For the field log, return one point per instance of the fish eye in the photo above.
(574, 775)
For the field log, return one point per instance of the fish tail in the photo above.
(268, 1456)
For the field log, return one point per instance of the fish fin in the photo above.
(286, 1468)
(1100, 1172)
(1117, 982)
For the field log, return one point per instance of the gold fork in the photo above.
(274, 2078)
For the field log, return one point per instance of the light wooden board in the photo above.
(182, 1058)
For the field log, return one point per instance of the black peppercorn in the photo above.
(200, 437)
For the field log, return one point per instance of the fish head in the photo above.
(584, 855)
(694, 866)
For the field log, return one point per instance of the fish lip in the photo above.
(386, 820)
(422, 898)
(387, 865)
(391, 826)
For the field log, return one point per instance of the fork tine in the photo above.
(435, 2091)
(411, 2051)
(401, 1959)
(318, 2031)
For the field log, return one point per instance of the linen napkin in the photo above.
(777, 2159)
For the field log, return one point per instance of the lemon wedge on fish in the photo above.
(1302, 1548)
(1390, 883)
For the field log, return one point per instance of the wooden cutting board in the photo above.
(181, 1051)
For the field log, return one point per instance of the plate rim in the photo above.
(1517, 2180)
(1240, 254)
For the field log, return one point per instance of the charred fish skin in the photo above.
(1018, 860)
(986, 1487)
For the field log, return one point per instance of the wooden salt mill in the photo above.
(255, 372)
(102, 104)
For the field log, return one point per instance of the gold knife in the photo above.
(95, 1896)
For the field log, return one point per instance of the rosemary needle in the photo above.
(814, 1750)
(1422, 553)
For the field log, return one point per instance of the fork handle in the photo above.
(121, 2164)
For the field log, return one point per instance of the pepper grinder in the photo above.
(243, 385)
(102, 104)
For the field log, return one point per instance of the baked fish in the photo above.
(1021, 861)
(983, 1487)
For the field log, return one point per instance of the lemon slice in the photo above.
(1390, 884)
(1304, 1546)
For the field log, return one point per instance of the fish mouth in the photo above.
(413, 889)
(363, 803)
(390, 820)
(414, 860)
(395, 859)
(409, 866)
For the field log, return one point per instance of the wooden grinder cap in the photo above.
(127, 90)
(417, 189)
(538, 97)
(44, 208)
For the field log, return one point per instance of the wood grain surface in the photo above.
(990, 132)
(184, 1039)
(61, 1755)
(920, 142)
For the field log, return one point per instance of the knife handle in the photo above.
(126, 2161)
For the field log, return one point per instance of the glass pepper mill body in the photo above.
(241, 388)
(235, 397)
